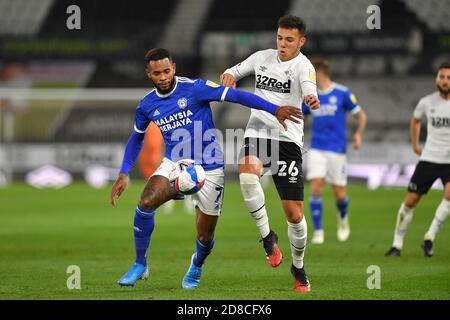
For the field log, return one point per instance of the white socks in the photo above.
(297, 234)
(404, 217)
(254, 199)
(442, 213)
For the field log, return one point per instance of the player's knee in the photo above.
(251, 165)
(447, 192)
(340, 197)
(316, 186)
(412, 199)
(148, 202)
(294, 216)
(293, 212)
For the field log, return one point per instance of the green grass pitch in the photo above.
(42, 232)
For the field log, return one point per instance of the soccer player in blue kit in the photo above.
(326, 158)
(180, 108)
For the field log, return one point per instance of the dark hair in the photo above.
(322, 65)
(292, 22)
(157, 54)
(444, 65)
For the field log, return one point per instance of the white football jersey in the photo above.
(284, 83)
(437, 112)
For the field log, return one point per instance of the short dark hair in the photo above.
(292, 22)
(157, 54)
(444, 65)
(322, 65)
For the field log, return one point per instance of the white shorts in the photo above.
(210, 197)
(327, 164)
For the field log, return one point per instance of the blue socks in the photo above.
(342, 207)
(144, 224)
(316, 208)
(202, 252)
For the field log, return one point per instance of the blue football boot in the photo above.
(192, 277)
(137, 271)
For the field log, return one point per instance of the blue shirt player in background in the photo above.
(327, 156)
(180, 107)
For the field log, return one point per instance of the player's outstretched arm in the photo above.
(245, 68)
(132, 150)
(282, 113)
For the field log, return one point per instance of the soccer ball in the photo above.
(191, 177)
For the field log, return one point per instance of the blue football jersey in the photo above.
(185, 119)
(329, 121)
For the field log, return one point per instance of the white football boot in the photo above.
(318, 237)
(343, 230)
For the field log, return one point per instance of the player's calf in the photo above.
(157, 191)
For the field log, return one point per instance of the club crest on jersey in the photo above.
(182, 103)
(289, 73)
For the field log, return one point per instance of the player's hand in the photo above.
(288, 113)
(227, 80)
(357, 141)
(417, 150)
(118, 187)
(312, 102)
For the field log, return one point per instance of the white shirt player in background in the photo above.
(434, 162)
(326, 158)
(283, 76)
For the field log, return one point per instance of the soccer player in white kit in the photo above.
(283, 75)
(434, 162)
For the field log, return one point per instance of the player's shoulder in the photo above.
(201, 83)
(341, 88)
(267, 52)
(186, 80)
(301, 58)
(185, 83)
(148, 98)
(303, 62)
(430, 98)
(264, 54)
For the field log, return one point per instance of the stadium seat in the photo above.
(23, 17)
